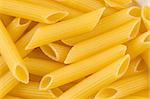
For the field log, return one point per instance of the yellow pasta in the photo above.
(53, 4)
(106, 24)
(64, 29)
(83, 5)
(35, 78)
(138, 45)
(30, 91)
(95, 82)
(56, 51)
(6, 19)
(146, 16)
(7, 83)
(136, 66)
(91, 46)
(17, 27)
(30, 11)
(12, 57)
(119, 4)
(82, 68)
(124, 87)
(144, 92)
(146, 57)
(135, 97)
(41, 67)
(3, 67)
(11, 97)
(109, 11)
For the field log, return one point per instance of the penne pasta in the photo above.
(31, 91)
(17, 27)
(109, 11)
(83, 5)
(13, 60)
(126, 15)
(30, 11)
(135, 97)
(34, 66)
(95, 82)
(119, 4)
(6, 19)
(136, 66)
(146, 16)
(58, 6)
(56, 51)
(138, 45)
(7, 83)
(146, 57)
(11, 97)
(124, 87)
(99, 43)
(64, 29)
(3, 67)
(144, 92)
(82, 68)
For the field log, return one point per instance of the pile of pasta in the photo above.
(74, 49)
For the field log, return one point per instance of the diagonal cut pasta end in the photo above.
(21, 74)
(45, 83)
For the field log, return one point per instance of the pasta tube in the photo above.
(64, 29)
(144, 92)
(17, 27)
(6, 19)
(41, 67)
(119, 4)
(3, 66)
(13, 60)
(82, 68)
(91, 46)
(30, 11)
(11, 97)
(146, 16)
(56, 51)
(126, 15)
(30, 91)
(7, 83)
(124, 87)
(58, 6)
(83, 5)
(135, 97)
(93, 83)
(136, 66)
(146, 57)
(138, 45)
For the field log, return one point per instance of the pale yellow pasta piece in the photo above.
(138, 45)
(124, 87)
(83, 5)
(11, 97)
(6, 19)
(82, 68)
(37, 53)
(41, 67)
(56, 51)
(30, 91)
(108, 11)
(64, 29)
(3, 66)
(30, 11)
(104, 41)
(12, 57)
(96, 81)
(7, 83)
(17, 27)
(56, 5)
(146, 16)
(119, 4)
(146, 57)
(136, 66)
(106, 24)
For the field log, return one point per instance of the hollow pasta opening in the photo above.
(21, 74)
(140, 67)
(123, 66)
(107, 93)
(23, 21)
(135, 12)
(55, 17)
(135, 30)
(45, 82)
